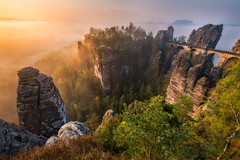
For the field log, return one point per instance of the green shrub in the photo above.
(106, 135)
(152, 131)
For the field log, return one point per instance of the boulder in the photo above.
(40, 107)
(206, 36)
(13, 138)
(236, 47)
(52, 140)
(73, 129)
(107, 116)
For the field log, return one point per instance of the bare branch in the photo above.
(228, 143)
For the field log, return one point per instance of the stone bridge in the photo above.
(224, 55)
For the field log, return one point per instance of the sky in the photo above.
(122, 11)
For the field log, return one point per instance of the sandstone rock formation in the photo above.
(13, 138)
(72, 130)
(107, 116)
(39, 104)
(192, 75)
(162, 61)
(106, 64)
(236, 47)
(52, 140)
(206, 36)
(164, 36)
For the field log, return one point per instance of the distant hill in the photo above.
(182, 22)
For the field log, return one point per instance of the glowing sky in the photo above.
(110, 11)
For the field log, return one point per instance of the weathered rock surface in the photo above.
(72, 130)
(110, 65)
(106, 64)
(206, 36)
(162, 61)
(236, 47)
(192, 75)
(164, 36)
(13, 138)
(52, 140)
(39, 104)
(107, 116)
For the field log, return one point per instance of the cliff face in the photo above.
(39, 104)
(189, 73)
(162, 61)
(112, 62)
(106, 64)
(193, 73)
(164, 36)
(206, 36)
(236, 47)
(13, 138)
(192, 76)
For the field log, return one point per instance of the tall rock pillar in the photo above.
(40, 107)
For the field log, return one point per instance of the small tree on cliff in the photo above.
(182, 39)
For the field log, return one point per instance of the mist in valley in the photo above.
(28, 44)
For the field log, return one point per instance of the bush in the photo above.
(106, 135)
(152, 131)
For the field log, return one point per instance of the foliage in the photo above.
(183, 109)
(181, 39)
(106, 135)
(84, 148)
(81, 90)
(220, 117)
(152, 131)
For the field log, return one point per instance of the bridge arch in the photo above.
(216, 58)
(225, 56)
(229, 61)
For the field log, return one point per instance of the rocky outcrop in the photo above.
(70, 130)
(206, 36)
(104, 63)
(39, 104)
(192, 75)
(13, 138)
(163, 60)
(112, 65)
(107, 116)
(51, 141)
(236, 47)
(107, 64)
(164, 36)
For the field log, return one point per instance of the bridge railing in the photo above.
(211, 49)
